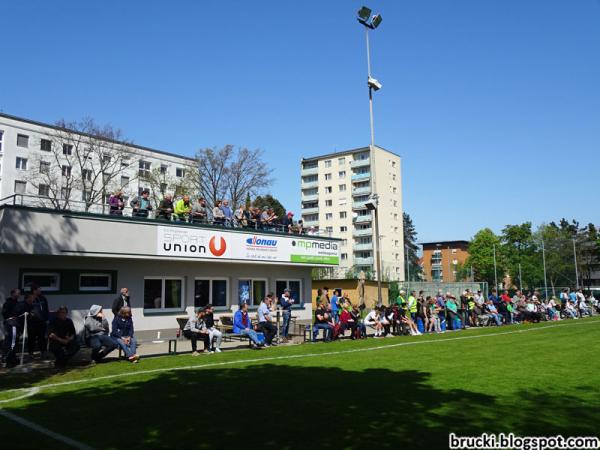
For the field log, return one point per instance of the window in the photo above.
(341, 161)
(144, 169)
(86, 174)
(343, 214)
(342, 201)
(48, 281)
(342, 174)
(163, 169)
(45, 167)
(179, 172)
(95, 282)
(21, 163)
(327, 176)
(67, 149)
(328, 202)
(395, 216)
(45, 145)
(312, 191)
(163, 187)
(86, 195)
(20, 187)
(66, 171)
(44, 190)
(124, 182)
(328, 216)
(343, 229)
(328, 189)
(124, 163)
(22, 140)
(251, 291)
(342, 187)
(106, 159)
(142, 189)
(329, 229)
(295, 287)
(344, 256)
(163, 293)
(210, 291)
(327, 163)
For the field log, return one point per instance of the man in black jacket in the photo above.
(120, 301)
(63, 339)
(37, 322)
(12, 313)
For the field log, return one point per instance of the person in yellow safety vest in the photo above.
(183, 207)
(412, 305)
(401, 302)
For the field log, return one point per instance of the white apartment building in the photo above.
(27, 148)
(335, 188)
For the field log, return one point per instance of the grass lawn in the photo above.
(407, 392)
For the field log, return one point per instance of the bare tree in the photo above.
(160, 182)
(212, 167)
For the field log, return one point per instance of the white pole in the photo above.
(544, 261)
(495, 272)
(520, 278)
(23, 339)
(576, 270)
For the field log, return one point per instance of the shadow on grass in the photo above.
(273, 406)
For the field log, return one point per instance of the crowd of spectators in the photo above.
(201, 212)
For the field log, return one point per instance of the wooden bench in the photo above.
(226, 327)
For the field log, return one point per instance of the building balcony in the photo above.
(362, 247)
(310, 184)
(312, 210)
(310, 223)
(361, 176)
(363, 219)
(310, 197)
(363, 261)
(359, 205)
(310, 171)
(360, 163)
(363, 232)
(366, 190)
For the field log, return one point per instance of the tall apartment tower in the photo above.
(335, 188)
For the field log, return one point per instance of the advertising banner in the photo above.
(214, 244)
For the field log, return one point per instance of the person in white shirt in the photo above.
(373, 321)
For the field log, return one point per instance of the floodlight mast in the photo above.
(370, 23)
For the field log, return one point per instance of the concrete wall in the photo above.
(131, 274)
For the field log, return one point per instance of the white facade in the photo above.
(335, 188)
(24, 146)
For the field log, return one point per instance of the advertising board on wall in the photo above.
(213, 244)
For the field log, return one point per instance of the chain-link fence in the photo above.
(432, 288)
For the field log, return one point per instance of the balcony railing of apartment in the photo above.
(361, 190)
(310, 197)
(310, 170)
(311, 210)
(359, 205)
(99, 210)
(363, 232)
(310, 184)
(363, 261)
(362, 219)
(360, 162)
(361, 176)
(362, 246)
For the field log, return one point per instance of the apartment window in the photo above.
(163, 187)
(45, 167)
(46, 145)
(395, 202)
(342, 174)
(328, 202)
(341, 161)
(342, 187)
(21, 163)
(327, 176)
(251, 291)
(393, 163)
(163, 169)
(343, 229)
(394, 190)
(328, 189)
(213, 291)
(179, 172)
(86, 174)
(67, 149)
(343, 214)
(327, 163)
(311, 191)
(163, 293)
(295, 287)
(44, 190)
(142, 189)
(144, 169)
(22, 140)
(329, 229)
(65, 193)
(396, 243)
(344, 256)
(95, 282)
(106, 159)
(124, 181)
(86, 195)
(1, 137)
(328, 216)
(395, 216)
(48, 281)
(66, 171)
(124, 163)
(342, 201)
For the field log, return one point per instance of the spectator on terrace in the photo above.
(286, 302)
(97, 333)
(241, 216)
(214, 335)
(183, 208)
(322, 322)
(122, 331)
(227, 213)
(243, 325)
(300, 227)
(165, 207)
(116, 203)
(218, 215)
(195, 330)
(255, 215)
(269, 218)
(62, 336)
(373, 320)
(265, 323)
(312, 231)
(287, 223)
(200, 211)
(122, 300)
(493, 312)
(141, 204)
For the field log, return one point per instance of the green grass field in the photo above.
(407, 392)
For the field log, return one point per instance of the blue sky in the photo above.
(494, 105)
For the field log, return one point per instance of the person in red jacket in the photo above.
(347, 322)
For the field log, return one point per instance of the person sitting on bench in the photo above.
(214, 335)
(62, 336)
(97, 335)
(264, 320)
(195, 329)
(243, 325)
(122, 332)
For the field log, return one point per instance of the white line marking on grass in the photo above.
(45, 431)
(28, 393)
(279, 358)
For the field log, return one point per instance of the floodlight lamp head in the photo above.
(374, 84)
(364, 14)
(376, 20)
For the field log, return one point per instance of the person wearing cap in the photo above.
(97, 333)
(286, 302)
(401, 301)
(287, 222)
(411, 306)
(141, 204)
(195, 329)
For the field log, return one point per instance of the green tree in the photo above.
(588, 257)
(411, 247)
(522, 255)
(481, 256)
(268, 201)
(558, 244)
